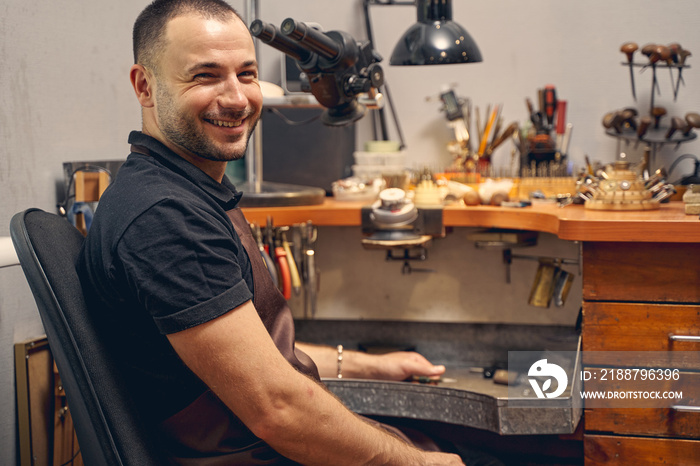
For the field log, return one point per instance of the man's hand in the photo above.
(402, 365)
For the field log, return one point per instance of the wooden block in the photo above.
(89, 186)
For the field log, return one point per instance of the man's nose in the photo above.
(233, 95)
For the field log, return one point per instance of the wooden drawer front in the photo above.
(662, 422)
(627, 381)
(604, 449)
(640, 327)
(641, 272)
(632, 416)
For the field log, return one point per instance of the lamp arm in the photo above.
(385, 87)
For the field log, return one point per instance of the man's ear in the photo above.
(142, 81)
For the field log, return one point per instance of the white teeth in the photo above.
(228, 124)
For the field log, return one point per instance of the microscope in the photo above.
(340, 71)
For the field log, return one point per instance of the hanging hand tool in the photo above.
(628, 48)
(293, 269)
(283, 262)
(311, 281)
(297, 244)
(674, 47)
(670, 56)
(309, 269)
(269, 264)
(666, 55)
(682, 56)
(649, 51)
(269, 244)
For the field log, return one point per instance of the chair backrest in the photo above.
(107, 426)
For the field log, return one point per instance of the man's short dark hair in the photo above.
(149, 28)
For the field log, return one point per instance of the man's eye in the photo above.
(202, 76)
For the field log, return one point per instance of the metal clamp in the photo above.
(406, 269)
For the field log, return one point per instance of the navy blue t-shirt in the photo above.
(162, 256)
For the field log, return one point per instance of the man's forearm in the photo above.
(294, 414)
(331, 434)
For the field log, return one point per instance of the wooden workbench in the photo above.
(668, 224)
(641, 284)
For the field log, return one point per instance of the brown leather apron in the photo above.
(207, 433)
(207, 427)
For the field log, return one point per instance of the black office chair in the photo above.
(107, 426)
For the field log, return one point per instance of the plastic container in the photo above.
(380, 158)
(382, 146)
(377, 171)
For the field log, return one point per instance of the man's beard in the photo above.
(182, 130)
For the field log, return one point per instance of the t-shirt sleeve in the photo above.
(183, 264)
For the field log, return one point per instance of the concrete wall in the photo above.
(65, 96)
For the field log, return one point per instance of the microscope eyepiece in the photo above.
(270, 35)
(312, 39)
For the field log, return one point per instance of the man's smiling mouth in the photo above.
(226, 124)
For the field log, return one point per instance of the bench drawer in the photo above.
(641, 272)
(641, 327)
(611, 450)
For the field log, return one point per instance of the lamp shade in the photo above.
(435, 39)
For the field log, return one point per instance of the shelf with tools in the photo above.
(660, 135)
(628, 125)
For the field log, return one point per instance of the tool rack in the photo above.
(654, 137)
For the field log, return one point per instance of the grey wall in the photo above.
(65, 96)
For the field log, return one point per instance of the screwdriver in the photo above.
(550, 103)
(561, 122)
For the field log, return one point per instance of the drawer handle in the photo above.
(686, 409)
(694, 338)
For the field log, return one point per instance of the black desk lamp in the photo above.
(434, 40)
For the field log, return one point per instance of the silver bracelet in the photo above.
(340, 361)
